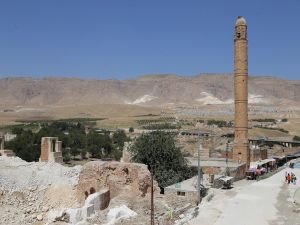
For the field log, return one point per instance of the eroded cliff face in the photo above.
(120, 178)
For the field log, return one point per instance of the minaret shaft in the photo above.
(241, 152)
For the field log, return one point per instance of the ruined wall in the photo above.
(51, 150)
(236, 172)
(280, 151)
(131, 178)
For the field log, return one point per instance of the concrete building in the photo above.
(51, 150)
(241, 152)
(182, 191)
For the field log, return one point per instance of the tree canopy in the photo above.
(75, 141)
(158, 150)
(296, 138)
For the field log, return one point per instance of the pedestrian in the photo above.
(286, 176)
(295, 178)
(289, 178)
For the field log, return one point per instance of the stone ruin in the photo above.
(51, 150)
(5, 152)
(126, 155)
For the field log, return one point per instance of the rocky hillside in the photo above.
(145, 90)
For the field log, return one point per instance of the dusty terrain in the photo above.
(207, 95)
(265, 202)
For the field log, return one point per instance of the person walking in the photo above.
(286, 176)
(289, 178)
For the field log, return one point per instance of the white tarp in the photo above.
(122, 212)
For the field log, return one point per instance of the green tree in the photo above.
(66, 155)
(99, 145)
(24, 147)
(74, 151)
(163, 157)
(131, 129)
(119, 137)
(296, 138)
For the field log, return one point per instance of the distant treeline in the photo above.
(159, 120)
(267, 120)
(272, 128)
(72, 120)
(161, 126)
(75, 141)
(150, 114)
(220, 123)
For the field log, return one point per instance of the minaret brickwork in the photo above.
(241, 151)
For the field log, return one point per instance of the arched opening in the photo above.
(92, 190)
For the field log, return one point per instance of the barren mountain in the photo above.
(151, 90)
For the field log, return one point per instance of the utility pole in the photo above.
(152, 200)
(152, 181)
(199, 173)
(227, 149)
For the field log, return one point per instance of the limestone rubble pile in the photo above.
(49, 193)
(27, 189)
(18, 175)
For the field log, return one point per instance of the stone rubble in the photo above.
(51, 194)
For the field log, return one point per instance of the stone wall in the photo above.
(173, 199)
(236, 172)
(133, 178)
(258, 154)
(280, 151)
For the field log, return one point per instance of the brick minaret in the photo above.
(241, 152)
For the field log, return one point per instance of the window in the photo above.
(53, 145)
(180, 193)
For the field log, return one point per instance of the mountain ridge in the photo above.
(147, 90)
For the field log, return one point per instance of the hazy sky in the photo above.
(126, 38)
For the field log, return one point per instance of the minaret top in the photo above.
(241, 21)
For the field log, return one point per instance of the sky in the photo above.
(123, 39)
